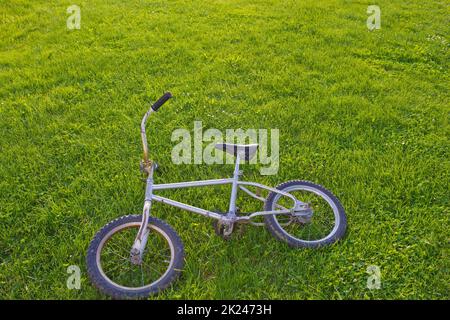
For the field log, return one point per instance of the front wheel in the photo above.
(109, 265)
(325, 223)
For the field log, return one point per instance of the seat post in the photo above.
(234, 188)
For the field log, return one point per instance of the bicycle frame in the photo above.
(231, 217)
(235, 183)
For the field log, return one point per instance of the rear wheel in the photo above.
(325, 225)
(111, 270)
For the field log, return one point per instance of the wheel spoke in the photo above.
(118, 267)
(318, 226)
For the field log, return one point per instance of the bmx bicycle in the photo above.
(135, 256)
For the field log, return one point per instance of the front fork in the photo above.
(137, 250)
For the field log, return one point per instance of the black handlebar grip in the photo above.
(161, 101)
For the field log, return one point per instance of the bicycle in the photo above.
(152, 253)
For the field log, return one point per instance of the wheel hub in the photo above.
(135, 257)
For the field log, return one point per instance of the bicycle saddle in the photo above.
(245, 151)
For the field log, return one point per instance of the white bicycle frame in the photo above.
(230, 218)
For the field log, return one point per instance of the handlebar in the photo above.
(163, 99)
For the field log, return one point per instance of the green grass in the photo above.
(363, 113)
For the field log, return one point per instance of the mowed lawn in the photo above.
(364, 113)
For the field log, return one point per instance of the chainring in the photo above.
(223, 230)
